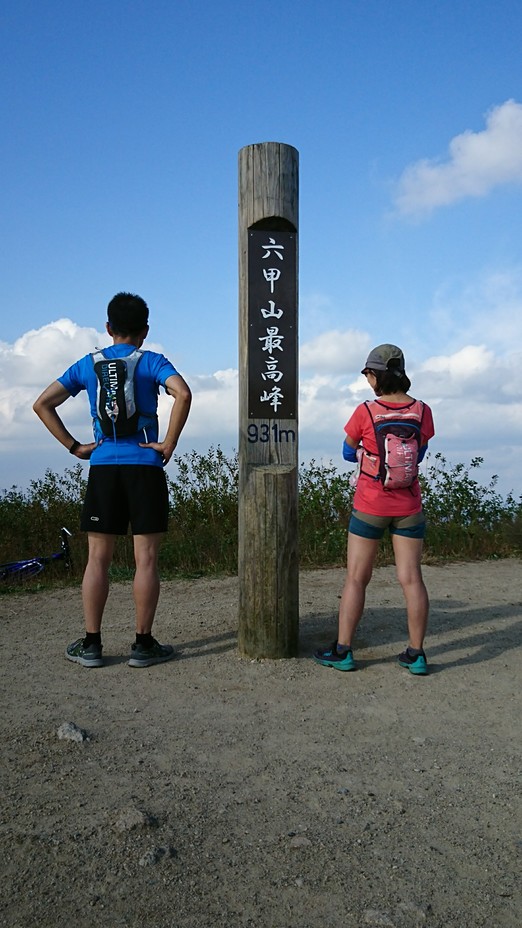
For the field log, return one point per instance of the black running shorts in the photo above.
(119, 494)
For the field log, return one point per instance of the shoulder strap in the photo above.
(373, 407)
(132, 359)
(367, 406)
(99, 355)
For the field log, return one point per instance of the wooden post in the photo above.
(268, 413)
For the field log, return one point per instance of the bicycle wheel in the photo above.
(20, 570)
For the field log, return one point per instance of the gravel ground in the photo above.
(215, 792)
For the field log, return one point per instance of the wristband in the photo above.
(349, 453)
(74, 447)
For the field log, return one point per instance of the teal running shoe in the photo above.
(416, 663)
(330, 657)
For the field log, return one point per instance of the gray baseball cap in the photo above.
(385, 358)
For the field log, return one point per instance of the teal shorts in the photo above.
(368, 526)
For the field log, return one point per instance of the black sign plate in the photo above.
(272, 325)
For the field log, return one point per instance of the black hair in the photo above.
(128, 314)
(391, 382)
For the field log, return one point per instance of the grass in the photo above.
(468, 519)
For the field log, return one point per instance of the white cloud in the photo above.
(464, 365)
(26, 368)
(335, 352)
(478, 331)
(477, 162)
(475, 392)
(470, 377)
(213, 416)
(41, 355)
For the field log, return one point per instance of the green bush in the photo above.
(202, 537)
(325, 500)
(466, 519)
(30, 520)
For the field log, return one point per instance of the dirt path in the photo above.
(215, 792)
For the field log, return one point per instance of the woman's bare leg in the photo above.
(408, 554)
(361, 555)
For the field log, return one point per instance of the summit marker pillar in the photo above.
(268, 560)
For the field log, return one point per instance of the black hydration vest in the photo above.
(116, 407)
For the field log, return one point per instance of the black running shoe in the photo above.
(90, 656)
(146, 657)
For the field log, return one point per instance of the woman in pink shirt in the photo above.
(385, 501)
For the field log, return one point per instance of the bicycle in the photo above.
(31, 567)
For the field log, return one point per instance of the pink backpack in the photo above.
(398, 436)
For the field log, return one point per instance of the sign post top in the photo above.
(269, 144)
(269, 184)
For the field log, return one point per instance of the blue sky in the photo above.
(122, 124)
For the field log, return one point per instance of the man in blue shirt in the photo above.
(127, 483)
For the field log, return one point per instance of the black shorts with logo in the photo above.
(119, 494)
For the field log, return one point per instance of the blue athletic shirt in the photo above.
(150, 374)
